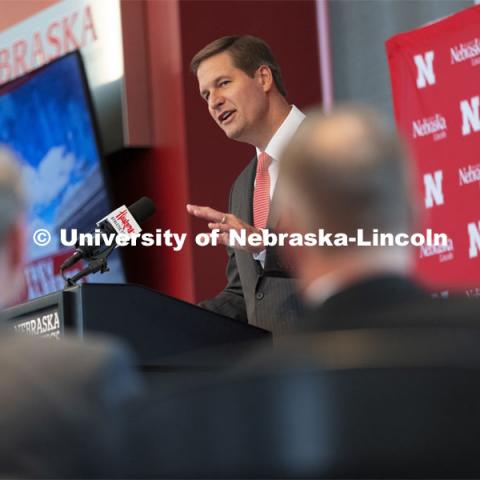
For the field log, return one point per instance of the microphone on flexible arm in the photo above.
(121, 220)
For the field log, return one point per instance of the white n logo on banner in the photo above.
(433, 189)
(425, 73)
(470, 115)
(474, 234)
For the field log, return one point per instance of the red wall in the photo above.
(160, 172)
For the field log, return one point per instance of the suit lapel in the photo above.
(246, 208)
(272, 221)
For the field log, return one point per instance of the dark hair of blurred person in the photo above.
(11, 227)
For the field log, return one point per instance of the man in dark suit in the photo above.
(240, 80)
(65, 404)
(345, 172)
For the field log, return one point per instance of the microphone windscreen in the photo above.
(142, 209)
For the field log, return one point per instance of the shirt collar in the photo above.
(284, 133)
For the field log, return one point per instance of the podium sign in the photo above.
(44, 316)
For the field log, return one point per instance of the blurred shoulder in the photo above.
(69, 360)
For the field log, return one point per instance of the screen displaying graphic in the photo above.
(46, 119)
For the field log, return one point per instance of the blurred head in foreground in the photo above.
(61, 393)
(342, 172)
(11, 228)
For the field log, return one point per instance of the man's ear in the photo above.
(264, 77)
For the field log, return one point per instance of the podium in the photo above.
(155, 326)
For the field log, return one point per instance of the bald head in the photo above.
(345, 171)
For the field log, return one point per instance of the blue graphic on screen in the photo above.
(47, 121)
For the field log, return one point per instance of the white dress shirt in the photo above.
(279, 141)
(274, 150)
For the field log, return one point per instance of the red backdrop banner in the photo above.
(435, 75)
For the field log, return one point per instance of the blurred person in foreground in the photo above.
(64, 403)
(373, 403)
(342, 172)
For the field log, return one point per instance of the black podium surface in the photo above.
(154, 325)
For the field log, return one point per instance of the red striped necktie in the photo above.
(261, 195)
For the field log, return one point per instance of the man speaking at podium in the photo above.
(240, 80)
(64, 403)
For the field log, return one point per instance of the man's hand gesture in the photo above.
(225, 223)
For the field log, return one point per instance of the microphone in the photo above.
(126, 220)
(121, 220)
(142, 209)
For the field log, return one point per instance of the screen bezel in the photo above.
(19, 81)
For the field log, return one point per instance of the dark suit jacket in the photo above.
(387, 301)
(266, 297)
(63, 408)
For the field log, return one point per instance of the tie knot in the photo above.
(264, 161)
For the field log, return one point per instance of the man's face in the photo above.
(237, 102)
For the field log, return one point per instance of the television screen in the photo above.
(46, 118)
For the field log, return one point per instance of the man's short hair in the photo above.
(12, 198)
(248, 54)
(348, 170)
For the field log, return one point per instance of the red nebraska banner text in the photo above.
(435, 75)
